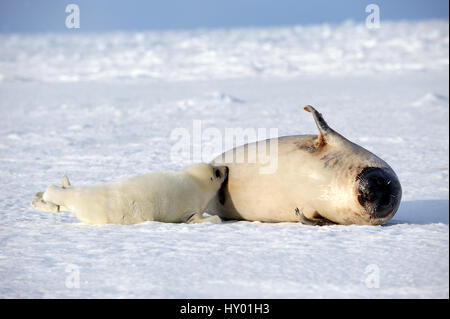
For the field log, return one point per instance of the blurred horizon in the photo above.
(139, 15)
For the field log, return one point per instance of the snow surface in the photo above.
(99, 107)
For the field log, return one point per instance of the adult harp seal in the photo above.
(320, 179)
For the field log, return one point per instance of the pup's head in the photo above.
(210, 177)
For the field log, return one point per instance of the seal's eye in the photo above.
(217, 173)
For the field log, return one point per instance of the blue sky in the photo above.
(108, 15)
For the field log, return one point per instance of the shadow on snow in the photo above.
(422, 212)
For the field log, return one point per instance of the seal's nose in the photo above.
(379, 191)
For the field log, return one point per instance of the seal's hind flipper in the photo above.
(325, 132)
(312, 222)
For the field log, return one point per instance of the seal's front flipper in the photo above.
(312, 222)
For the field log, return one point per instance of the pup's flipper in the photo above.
(44, 206)
(199, 218)
(65, 182)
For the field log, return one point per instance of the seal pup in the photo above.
(320, 180)
(170, 196)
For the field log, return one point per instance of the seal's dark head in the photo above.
(379, 192)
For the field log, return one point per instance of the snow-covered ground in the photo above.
(99, 107)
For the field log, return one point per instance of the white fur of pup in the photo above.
(170, 196)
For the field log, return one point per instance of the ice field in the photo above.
(100, 107)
